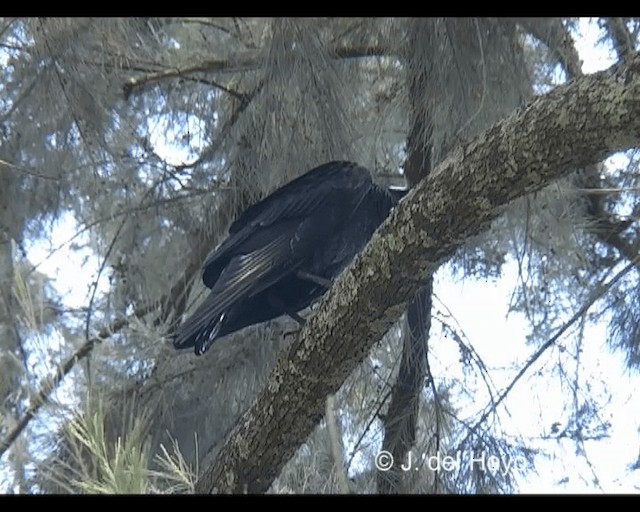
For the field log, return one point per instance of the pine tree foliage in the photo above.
(149, 135)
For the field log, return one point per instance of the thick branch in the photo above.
(572, 126)
(401, 420)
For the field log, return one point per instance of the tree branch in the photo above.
(622, 39)
(597, 293)
(335, 440)
(51, 383)
(241, 62)
(174, 301)
(244, 61)
(555, 36)
(400, 422)
(572, 126)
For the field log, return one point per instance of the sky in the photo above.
(537, 402)
(535, 408)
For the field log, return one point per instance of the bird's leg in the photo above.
(295, 343)
(295, 316)
(275, 301)
(295, 334)
(301, 321)
(326, 283)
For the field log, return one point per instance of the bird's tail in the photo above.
(201, 329)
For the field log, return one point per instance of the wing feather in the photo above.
(329, 184)
(270, 240)
(245, 276)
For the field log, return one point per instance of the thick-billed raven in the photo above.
(283, 252)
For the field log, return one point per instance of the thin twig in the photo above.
(51, 383)
(597, 294)
(27, 171)
(336, 444)
(244, 61)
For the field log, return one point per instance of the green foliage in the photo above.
(98, 462)
(119, 467)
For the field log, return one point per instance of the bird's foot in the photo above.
(326, 283)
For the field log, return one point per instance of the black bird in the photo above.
(283, 252)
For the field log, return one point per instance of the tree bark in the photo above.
(401, 420)
(574, 125)
(9, 342)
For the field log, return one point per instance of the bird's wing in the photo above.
(206, 319)
(244, 276)
(303, 195)
(327, 186)
(249, 274)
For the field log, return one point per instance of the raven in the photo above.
(283, 252)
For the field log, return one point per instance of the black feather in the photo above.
(314, 225)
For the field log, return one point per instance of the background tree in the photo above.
(150, 135)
